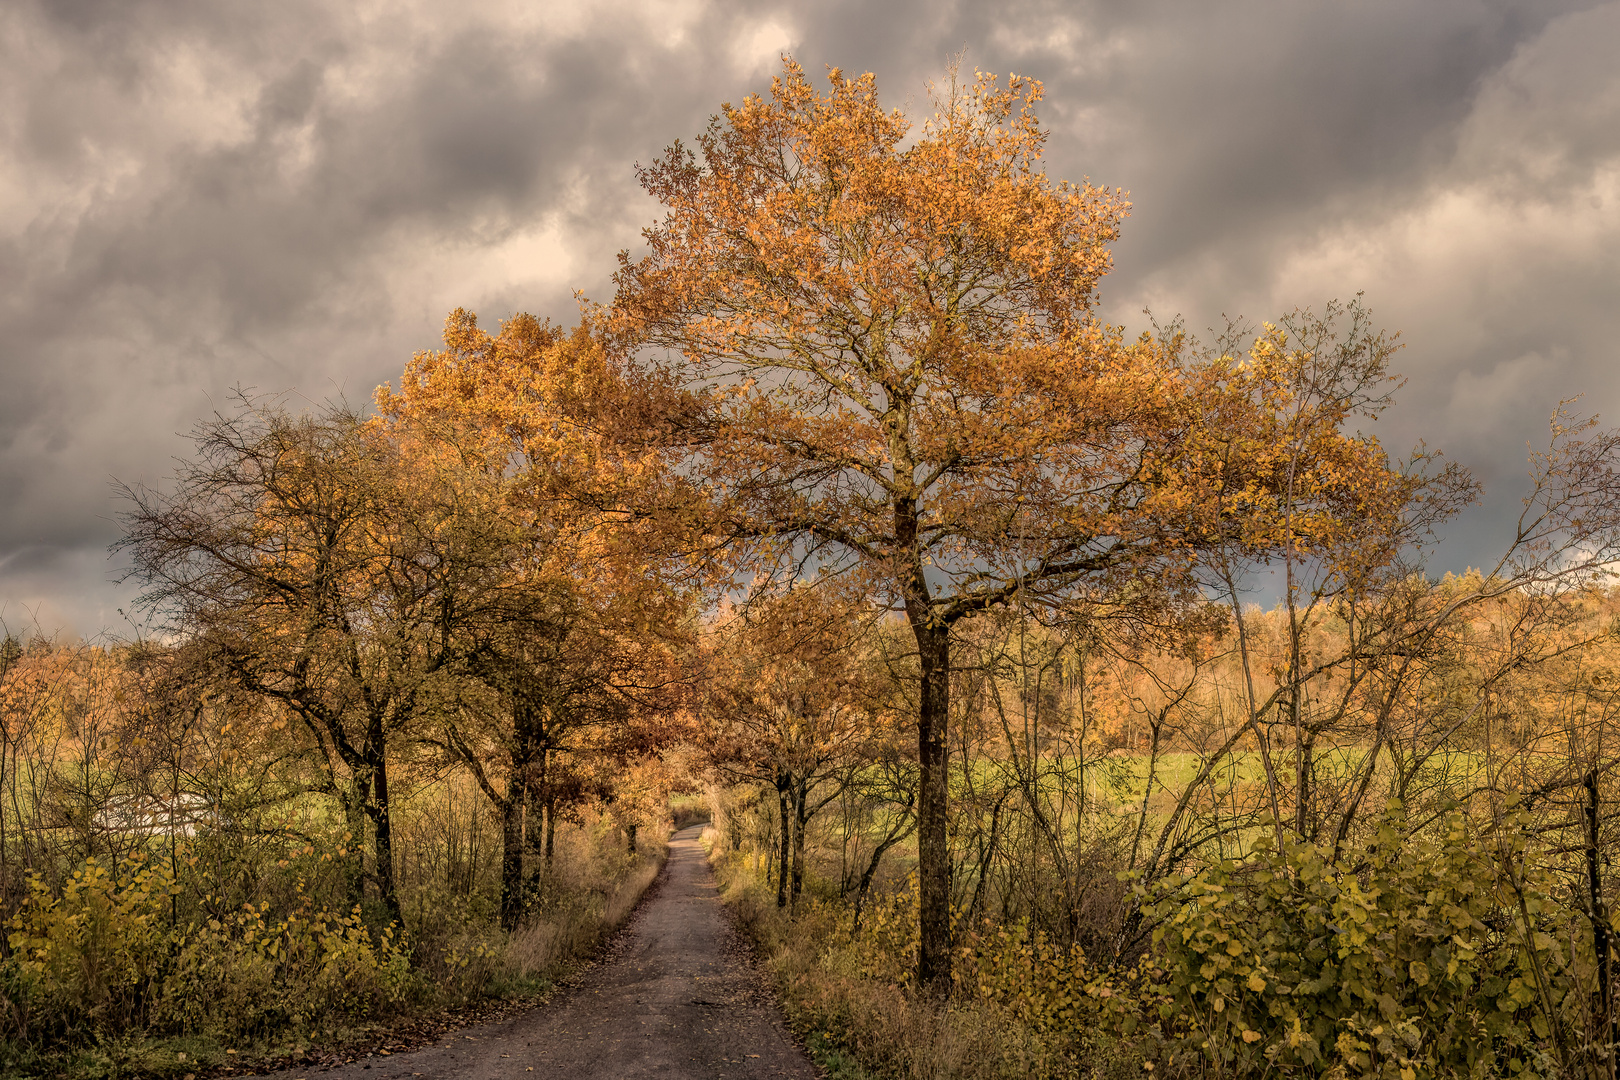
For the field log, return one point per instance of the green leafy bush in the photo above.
(105, 957)
(1417, 956)
(94, 958)
(249, 974)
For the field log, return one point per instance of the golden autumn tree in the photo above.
(904, 379)
(797, 700)
(328, 567)
(584, 435)
(582, 643)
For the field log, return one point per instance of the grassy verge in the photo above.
(94, 988)
(846, 997)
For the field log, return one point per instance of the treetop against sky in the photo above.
(291, 199)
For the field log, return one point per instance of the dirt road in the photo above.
(677, 998)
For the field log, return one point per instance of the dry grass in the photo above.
(858, 1027)
(588, 895)
(542, 948)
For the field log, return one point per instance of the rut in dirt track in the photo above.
(678, 997)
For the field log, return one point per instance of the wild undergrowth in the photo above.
(1434, 950)
(129, 968)
(1022, 1006)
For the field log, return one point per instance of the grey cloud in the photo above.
(201, 194)
(1223, 119)
(1551, 117)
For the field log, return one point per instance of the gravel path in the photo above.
(677, 997)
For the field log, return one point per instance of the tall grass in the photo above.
(125, 966)
(847, 993)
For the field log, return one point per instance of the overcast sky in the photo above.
(196, 194)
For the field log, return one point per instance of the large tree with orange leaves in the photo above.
(583, 651)
(905, 380)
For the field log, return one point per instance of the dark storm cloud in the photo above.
(195, 195)
(200, 199)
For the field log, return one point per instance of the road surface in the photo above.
(677, 997)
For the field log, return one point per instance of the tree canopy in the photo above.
(903, 379)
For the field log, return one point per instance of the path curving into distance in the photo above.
(677, 997)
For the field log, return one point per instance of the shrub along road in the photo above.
(677, 997)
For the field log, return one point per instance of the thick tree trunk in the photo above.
(512, 844)
(1598, 912)
(354, 816)
(384, 824)
(933, 853)
(800, 798)
(630, 837)
(551, 828)
(517, 829)
(529, 766)
(786, 818)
